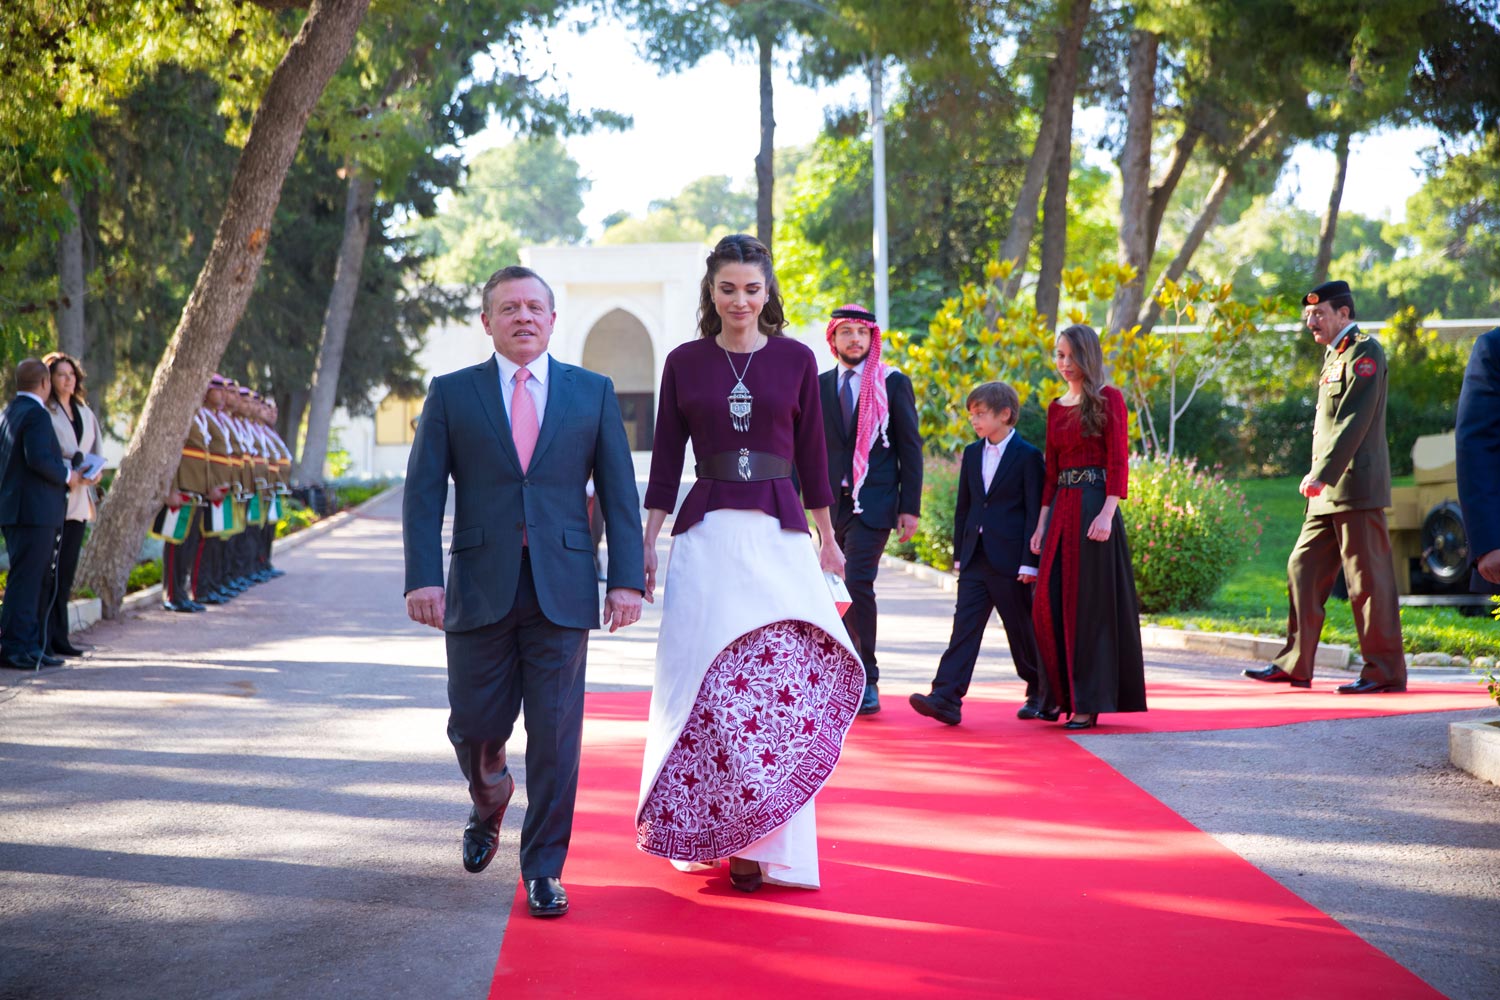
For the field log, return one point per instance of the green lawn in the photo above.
(1253, 598)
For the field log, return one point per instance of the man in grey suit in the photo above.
(520, 435)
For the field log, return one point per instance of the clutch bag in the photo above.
(839, 592)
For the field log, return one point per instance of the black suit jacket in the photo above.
(893, 484)
(1007, 512)
(1478, 446)
(33, 473)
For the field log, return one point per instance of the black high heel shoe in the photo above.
(1077, 723)
(744, 881)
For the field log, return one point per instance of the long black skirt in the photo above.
(1086, 613)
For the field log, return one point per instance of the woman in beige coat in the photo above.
(77, 435)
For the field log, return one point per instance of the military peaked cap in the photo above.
(1328, 290)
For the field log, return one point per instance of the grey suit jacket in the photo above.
(463, 433)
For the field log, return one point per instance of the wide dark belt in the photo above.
(744, 466)
(1083, 475)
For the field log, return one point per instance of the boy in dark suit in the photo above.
(999, 499)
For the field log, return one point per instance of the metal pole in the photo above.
(877, 142)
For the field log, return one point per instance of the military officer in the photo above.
(1347, 490)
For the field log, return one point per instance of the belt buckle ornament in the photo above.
(744, 464)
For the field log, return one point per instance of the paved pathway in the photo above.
(259, 801)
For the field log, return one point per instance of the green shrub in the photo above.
(146, 574)
(356, 492)
(295, 516)
(1187, 530)
(934, 539)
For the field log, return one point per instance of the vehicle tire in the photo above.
(1445, 548)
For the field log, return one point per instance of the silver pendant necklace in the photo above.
(740, 399)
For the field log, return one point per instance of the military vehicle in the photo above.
(1428, 541)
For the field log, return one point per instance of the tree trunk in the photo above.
(1223, 183)
(1135, 177)
(70, 277)
(1330, 227)
(1161, 191)
(219, 296)
(1055, 225)
(1062, 85)
(346, 273)
(289, 410)
(765, 160)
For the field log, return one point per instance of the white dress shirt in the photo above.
(536, 385)
(991, 460)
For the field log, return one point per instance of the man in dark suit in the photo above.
(994, 515)
(520, 435)
(1347, 490)
(34, 481)
(1478, 446)
(874, 467)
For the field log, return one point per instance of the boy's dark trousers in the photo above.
(982, 588)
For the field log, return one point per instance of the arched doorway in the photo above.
(619, 346)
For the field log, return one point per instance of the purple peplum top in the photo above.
(786, 419)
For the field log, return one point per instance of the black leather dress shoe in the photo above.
(481, 836)
(936, 708)
(20, 661)
(870, 703)
(1366, 686)
(1272, 674)
(546, 897)
(64, 648)
(185, 607)
(1076, 723)
(1031, 710)
(213, 598)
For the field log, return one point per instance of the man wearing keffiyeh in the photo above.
(874, 467)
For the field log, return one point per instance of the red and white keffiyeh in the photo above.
(874, 405)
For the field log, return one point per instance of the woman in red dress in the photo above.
(1086, 611)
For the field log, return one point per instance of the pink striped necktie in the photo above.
(524, 426)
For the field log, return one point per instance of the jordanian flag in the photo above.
(172, 525)
(252, 509)
(221, 517)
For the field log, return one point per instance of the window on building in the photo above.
(396, 420)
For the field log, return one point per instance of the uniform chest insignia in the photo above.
(1364, 367)
(1332, 375)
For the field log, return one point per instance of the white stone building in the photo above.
(620, 309)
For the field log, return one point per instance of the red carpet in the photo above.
(996, 859)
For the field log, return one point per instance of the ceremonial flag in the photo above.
(171, 525)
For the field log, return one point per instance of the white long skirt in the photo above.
(756, 686)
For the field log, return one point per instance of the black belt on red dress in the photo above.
(1082, 475)
(744, 466)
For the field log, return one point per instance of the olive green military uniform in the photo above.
(1345, 524)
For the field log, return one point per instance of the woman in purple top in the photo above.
(756, 680)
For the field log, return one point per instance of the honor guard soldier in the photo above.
(212, 585)
(179, 524)
(1347, 490)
